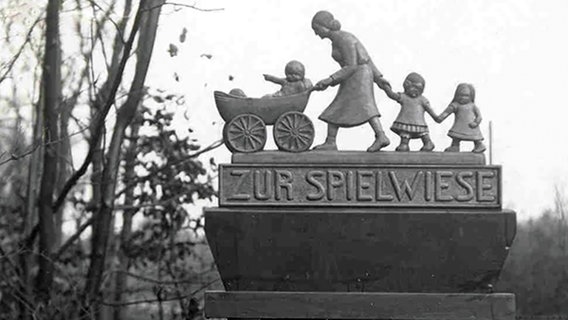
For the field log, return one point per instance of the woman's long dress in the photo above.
(354, 103)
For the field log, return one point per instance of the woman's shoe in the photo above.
(326, 146)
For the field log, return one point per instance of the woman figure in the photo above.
(354, 103)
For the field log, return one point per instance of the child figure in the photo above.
(410, 123)
(466, 121)
(294, 81)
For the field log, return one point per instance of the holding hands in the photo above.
(380, 81)
(383, 83)
(323, 84)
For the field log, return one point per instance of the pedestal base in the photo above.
(359, 250)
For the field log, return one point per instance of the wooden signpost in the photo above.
(362, 239)
(328, 234)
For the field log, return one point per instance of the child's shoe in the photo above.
(479, 147)
(452, 148)
(403, 146)
(428, 144)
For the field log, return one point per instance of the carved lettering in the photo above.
(482, 186)
(363, 185)
(442, 185)
(263, 190)
(405, 188)
(311, 177)
(462, 182)
(284, 179)
(377, 186)
(350, 185)
(242, 174)
(428, 186)
(335, 179)
(379, 189)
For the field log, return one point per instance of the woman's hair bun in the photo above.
(335, 25)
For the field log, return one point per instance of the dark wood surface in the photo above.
(326, 305)
(359, 250)
(360, 157)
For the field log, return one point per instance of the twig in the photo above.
(94, 4)
(101, 116)
(73, 238)
(176, 4)
(17, 55)
(14, 157)
(192, 7)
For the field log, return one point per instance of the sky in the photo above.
(513, 51)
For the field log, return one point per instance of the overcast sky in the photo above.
(514, 52)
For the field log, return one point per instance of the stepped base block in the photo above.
(351, 305)
(359, 250)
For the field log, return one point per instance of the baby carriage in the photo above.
(246, 120)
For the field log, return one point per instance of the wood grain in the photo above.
(329, 305)
(359, 250)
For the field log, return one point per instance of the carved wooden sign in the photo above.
(360, 186)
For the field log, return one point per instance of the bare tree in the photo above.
(147, 16)
(72, 82)
(51, 84)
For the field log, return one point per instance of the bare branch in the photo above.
(117, 25)
(73, 238)
(14, 157)
(101, 116)
(10, 64)
(6, 256)
(176, 4)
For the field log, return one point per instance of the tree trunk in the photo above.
(102, 224)
(123, 260)
(52, 94)
(102, 96)
(64, 166)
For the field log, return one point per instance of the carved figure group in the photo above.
(353, 105)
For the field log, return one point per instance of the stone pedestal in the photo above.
(385, 235)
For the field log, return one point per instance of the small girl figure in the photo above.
(294, 81)
(466, 121)
(410, 123)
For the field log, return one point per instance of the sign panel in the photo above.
(360, 186)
